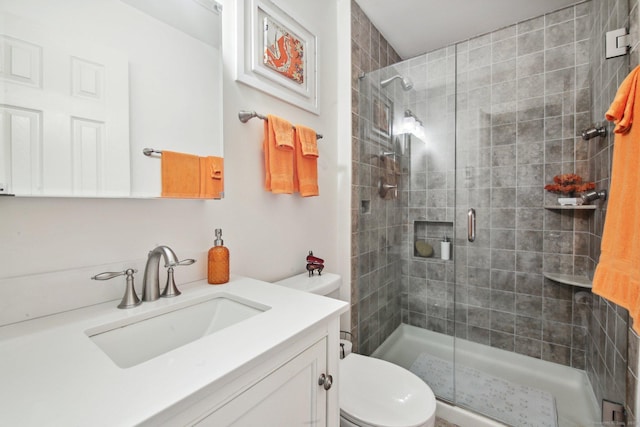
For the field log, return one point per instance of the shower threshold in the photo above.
(575, 401)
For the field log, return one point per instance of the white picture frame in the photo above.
(277, 54)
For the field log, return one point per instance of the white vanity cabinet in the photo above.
(280, 389)
(261, 371)
(288, 396)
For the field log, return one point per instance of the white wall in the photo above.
(50, 247)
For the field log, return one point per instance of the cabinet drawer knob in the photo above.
(322, 379)
(326, 381)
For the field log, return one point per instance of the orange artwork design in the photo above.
(285, 55)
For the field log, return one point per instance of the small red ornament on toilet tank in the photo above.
(314, 264)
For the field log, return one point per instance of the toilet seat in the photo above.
(377, 393)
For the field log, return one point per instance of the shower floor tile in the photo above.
(511, 403)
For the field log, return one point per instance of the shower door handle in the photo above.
(471, 225)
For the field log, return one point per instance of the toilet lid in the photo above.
(381, 394)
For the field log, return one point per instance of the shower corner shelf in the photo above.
(569, 279)
(571, 207)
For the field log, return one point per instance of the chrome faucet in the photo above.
(150, 281)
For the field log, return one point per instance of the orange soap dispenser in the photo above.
(218, 266)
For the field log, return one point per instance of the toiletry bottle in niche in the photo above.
(445, 248)
(218, 265)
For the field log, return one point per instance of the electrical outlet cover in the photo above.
(613, 413)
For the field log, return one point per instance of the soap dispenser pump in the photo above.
(218, 265)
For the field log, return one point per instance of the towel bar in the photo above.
(150, 151)
(245, 116)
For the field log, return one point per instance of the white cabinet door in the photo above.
(289, 396)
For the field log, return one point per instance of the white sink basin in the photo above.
(138, 339)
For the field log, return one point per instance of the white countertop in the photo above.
(53, 374)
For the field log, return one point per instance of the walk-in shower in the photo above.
(486, 328)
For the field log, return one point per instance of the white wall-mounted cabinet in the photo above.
(63, 136)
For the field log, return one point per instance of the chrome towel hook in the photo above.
(592, 132)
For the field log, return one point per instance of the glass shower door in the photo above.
(482, 258)
(405, 289)
(501, 123)
(429, 308)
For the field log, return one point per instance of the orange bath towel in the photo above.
(278, 155)
(306, 165)
(617, 277)
(180, 175)
(212, 177)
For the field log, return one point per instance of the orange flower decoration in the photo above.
(569, 183)
(567, 179)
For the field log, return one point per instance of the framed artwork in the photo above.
(277, 54)
(381, 117)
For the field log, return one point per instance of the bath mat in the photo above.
(510, 403)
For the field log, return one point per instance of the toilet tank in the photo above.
(327, 284)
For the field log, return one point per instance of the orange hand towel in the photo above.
(212, 178)
(617, 277)
(306, 165)
(283, 131)
(309, 142)
(278, 155)
(180, 175)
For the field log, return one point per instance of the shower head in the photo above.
(406, 83)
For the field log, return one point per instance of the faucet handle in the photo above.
(111, 274)
(170, 289)
(130, 298)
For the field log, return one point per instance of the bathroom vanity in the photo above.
(243, 352)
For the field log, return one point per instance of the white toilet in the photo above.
(373, 392)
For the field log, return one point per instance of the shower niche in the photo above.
(427, 236)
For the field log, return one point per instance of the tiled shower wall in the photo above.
(613, 347)
(521, 95)
(376, 223)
